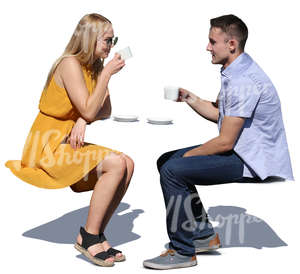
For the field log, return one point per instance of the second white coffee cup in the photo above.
(171, 93)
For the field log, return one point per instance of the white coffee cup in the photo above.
(171, 93)
(125, 53)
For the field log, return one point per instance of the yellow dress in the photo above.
(47, 160)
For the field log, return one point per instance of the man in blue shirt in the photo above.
(251, 144)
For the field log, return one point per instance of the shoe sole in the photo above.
(205, 249)
(163, 267)
(96, 261)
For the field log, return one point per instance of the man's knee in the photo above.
(162, 160)
(168, 169)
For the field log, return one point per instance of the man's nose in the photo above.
(208, 47)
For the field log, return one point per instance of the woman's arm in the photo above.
(76, 137)
(105, 110)
(73, 79)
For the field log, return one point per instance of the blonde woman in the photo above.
(55, 154)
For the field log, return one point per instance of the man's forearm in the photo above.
(214, 146)
(205, 108)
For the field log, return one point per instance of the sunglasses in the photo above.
(111, 41)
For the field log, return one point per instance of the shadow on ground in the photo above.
(65, 229)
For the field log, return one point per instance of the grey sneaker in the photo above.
(169, 260)
(208, 244)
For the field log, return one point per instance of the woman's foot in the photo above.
(107, 246)
(95, 249)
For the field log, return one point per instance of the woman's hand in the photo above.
(76, 138)
(114, 65)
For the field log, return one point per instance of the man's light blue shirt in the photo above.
(246, 91)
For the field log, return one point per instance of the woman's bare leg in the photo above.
(119, 194)
(113, 170)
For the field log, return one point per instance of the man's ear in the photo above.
(233, 45)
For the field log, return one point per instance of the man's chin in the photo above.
(216, 62)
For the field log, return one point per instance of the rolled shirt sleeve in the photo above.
(241, 98)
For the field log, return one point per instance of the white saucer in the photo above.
(125, 118)
(159, 120)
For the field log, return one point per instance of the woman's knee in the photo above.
(129, 163)
(114, 163)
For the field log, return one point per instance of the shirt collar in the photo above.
(238, 65)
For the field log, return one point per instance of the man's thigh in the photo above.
(209, 169)
(171, 155)
(180, 152)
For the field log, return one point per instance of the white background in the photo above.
(168, 40)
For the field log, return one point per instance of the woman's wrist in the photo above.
(80, 119)
(104, 75)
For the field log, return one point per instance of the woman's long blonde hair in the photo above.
(83, 43)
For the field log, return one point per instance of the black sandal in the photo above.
(89, 240)
(112, 251)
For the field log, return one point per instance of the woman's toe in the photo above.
(110, 259)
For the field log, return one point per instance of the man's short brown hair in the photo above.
(233, 26)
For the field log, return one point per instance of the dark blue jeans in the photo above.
(186, 216)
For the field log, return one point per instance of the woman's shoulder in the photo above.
(70, 68)
(69, 62)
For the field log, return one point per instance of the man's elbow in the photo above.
(226, 145)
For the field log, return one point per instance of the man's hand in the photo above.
(76, 139)
(204, 108)
(186, 96)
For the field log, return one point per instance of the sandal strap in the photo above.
(88, 239)
(103, 255)
(102, 237)
(113, 252)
